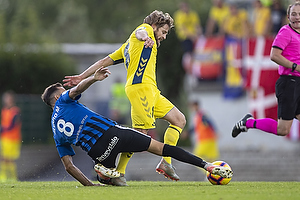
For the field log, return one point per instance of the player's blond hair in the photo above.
(159, 19)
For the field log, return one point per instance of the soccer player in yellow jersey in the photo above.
(139, 54)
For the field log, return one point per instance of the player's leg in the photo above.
(122, 164)
(142, 101)
(123, 161)
(14, 155)
(179, 154)
(134, 141)
(10, 151)
(104, 152)
(121, 168)
(286, 93)
(280, 128)
(3, 167)
(177, 122)
(3, 170)
(247, 122)
(164, 109)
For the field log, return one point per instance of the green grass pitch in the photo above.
(144, 190)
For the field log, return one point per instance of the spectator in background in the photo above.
(206, 144)
(236, 23)
(10, 137)
(188, 29)
(261, 19)
(119, 104)
(218, 12)
(187, 26)
(278, 16)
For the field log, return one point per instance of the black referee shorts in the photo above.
(288, 96)
(116, 140)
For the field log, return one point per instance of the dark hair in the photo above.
(159, 19)
(48, 96)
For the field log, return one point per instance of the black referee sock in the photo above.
(182, 155)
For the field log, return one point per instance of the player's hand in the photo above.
(71, 81)
(148, 42)
(101, 73)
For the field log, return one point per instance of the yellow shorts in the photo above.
(147, 104)
(208, 150)
(10, 149)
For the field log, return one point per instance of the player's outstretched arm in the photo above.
(75, 172)
(99, 75)
(71, 81)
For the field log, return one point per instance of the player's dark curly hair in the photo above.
(48, 95)
(159, 19)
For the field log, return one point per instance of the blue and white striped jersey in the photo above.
(74, 123)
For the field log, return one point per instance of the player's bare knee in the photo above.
(181, 121)
(176, 118)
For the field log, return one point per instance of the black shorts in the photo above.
(116, 140)
(288, 97)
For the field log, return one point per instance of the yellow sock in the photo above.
(123, 161)
(3, 175)
(171, 137)
(13, 171)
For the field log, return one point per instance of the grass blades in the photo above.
(144, 190)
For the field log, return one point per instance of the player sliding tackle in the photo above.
(74, 124)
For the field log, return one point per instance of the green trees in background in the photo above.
(30, 72)
(27, 24)
(79, 21)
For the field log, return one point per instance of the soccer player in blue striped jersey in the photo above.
(139, 55)
(103, 139)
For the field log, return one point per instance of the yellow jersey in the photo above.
(140, 62)
(234, 25)
(262, 18)
(219, 14)
(186, 24)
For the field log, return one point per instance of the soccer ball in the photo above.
(216, 179)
